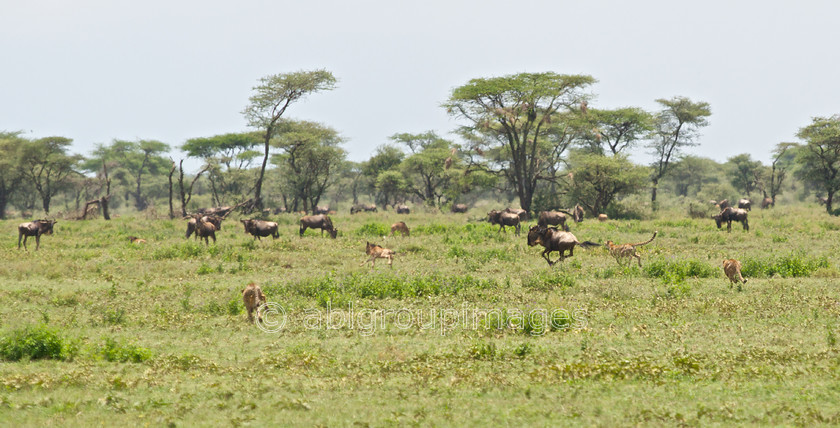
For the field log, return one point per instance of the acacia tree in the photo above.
(386, 158)
(229, 158)
(11, 174)
(517, 120)
(47, 166)
(272, 97)
(746, 173)
(782, 158)
(600, 180)
(618, 130)
(675, 127)
(309, 160)
(819, 159)
(131, 161)
(433, 167)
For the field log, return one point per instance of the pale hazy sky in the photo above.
(171, 70)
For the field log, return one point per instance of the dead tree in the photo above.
(186, 193)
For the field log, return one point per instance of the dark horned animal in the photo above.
(320, 221)
(553, 218)
(729, 215)
(35, 228)
(503, 218)
(555, 240)
(260, 228)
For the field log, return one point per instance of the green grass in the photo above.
(469, 327)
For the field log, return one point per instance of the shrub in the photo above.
(676, 271)
(35, 342)
(790, 266)
(373, 229)
(114, 351)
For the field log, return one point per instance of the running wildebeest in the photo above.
(35, 228)
(503, 218)
(554, 239)
(744, 204)
(320, 221)
(729, 215)
(261, 228)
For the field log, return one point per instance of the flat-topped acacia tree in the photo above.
(270, 100)
(521, 120)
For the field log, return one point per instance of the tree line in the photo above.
(530, 137)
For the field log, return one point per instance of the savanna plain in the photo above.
(469, 327)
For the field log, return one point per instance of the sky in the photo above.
(99, 70)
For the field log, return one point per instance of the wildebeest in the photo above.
(215, 211)
(554, 239)
(744, 204)
(403, 209)
(204, 228)
(401, 227)
(253, 298)
(321, 210)
(193, 222)
(729, 215)
(553, 218)
(724, 204)
(136, 240)
(767, 203)
(35, 228)
(459, 208)
(378, 252)
(577, 213)
(261, 228)
(320, 221)
(602, 217)
(363, 207)
(523, 215)
(503, 219)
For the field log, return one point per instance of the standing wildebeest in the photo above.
(363, 207)
(403, 209)
(729, 215)
(554, 218)
(602, 217)
(260, 228)
(35, 228)
(744, 203)
(503, 219)
(321, 210)
(204, 228)
(320, 221)
(577, 213)
(459, 208)
(193, 223)
(523, 215)
(767, 203)
(724, 204)
(401, 227)
(555, 240)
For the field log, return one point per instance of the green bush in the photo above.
(373, 229)
(34, 343)
(114, 351)
(789, 266)
(676, 271)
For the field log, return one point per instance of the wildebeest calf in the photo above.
(378, 252)
(253, 297)
(401, 227)
(205, 229)
(35, 228)
(192, 224)
(260, 228)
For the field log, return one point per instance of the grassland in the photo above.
(469, 327)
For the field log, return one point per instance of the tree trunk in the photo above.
(653, 193)
(4, 201)
(171, 207)
(828, 202)
(258, 204)
(46, 203)
(103, 204)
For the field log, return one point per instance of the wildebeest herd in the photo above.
(552, 232)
